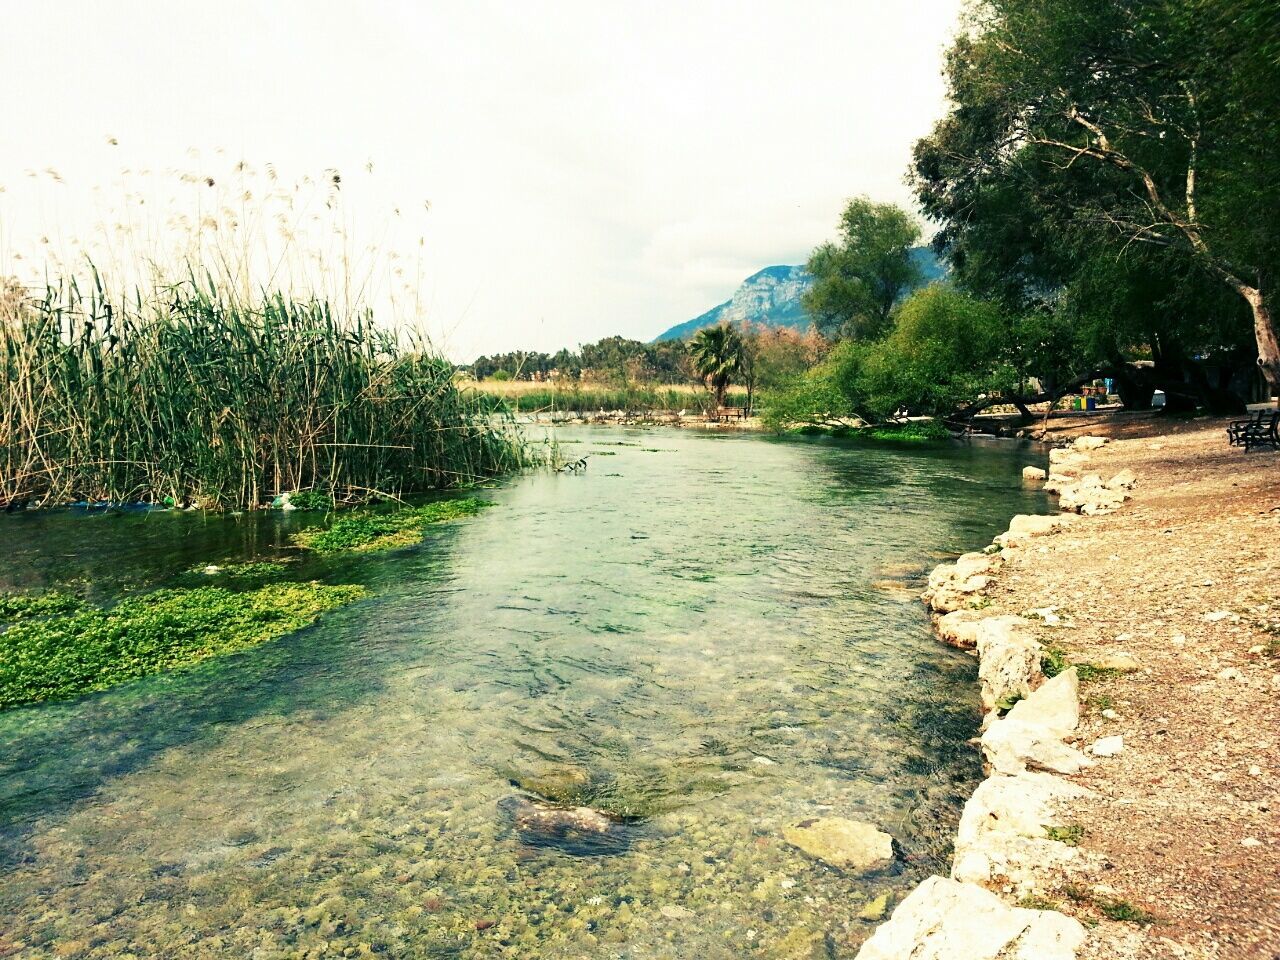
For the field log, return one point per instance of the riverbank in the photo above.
(1159, 830)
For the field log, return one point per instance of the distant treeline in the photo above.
(613, 359)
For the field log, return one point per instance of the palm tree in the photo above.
(717, 357)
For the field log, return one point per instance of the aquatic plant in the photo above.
(190, 393)
(369, 530)
(70, 653)
(915, 431)
(23, 606)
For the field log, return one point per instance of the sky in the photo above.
(549, 172)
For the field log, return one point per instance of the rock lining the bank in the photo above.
(1010, 830)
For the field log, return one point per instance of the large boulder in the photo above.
(848, 844)
(1091, 497)
(1026, 525)
(1033, 473)
(1086, 444)
(952, 585)
(1003, 838)
(945, 920)
(1064, 455)
(1009, 659)
(1054, 705)
(959, 628)
(1124, 480)
(1030, 736)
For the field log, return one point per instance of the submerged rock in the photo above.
(848, 844)
(529, 816)
(875, 909)
(946, 920)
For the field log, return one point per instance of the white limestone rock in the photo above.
(1066, 455)
(1108, 746)
(1030, 736)
(945, 920)
(952, 585)
(1086, 444)
(1054, 705)
(1026, 525)
(960, 628)
(1009, 659)
(1002, 835)
(1033, 473)
(1011, 746)
(1124, 480)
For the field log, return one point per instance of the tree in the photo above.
(858, 280)
(1154, 122)
(717, 354)
(946, 351)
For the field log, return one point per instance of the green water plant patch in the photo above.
(88, 649)
(915, 431)
(384, 531)
(24, 606)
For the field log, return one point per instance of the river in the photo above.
(708, 636)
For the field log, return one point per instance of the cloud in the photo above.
(592, 168)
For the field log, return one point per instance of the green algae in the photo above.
(79, 650)
(364, 530)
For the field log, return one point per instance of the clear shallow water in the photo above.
(707, 633)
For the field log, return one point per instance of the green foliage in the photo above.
(1054, 660)
(945, 349)
(189, 394)
(310, 500)
(614, 361)
(26, 606)
(367, 530)
(916, 431)
(1071, 835)
(718, 357)
(1107, 161)
(1113, 908)
(858, 281)
(242, 576)
(91, 649)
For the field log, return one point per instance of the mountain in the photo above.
(772, 298)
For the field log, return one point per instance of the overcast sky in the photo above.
(592, 168)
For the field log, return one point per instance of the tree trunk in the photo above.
(1264, 329)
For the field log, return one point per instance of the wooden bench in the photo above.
(1260, 430)
(727, 414)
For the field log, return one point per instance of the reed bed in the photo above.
(523, 397)
(194, 395)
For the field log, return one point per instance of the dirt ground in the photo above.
(1185, 578)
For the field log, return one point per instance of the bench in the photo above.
(726, 414)
(1260, 430)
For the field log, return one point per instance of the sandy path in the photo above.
(1186, 579)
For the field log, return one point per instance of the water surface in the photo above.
(706, 635)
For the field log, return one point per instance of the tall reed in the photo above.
(192, 394)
